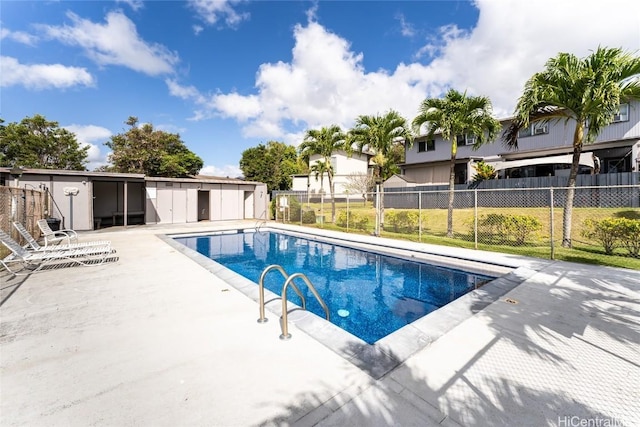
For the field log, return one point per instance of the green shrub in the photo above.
(308, 217)
(401, 221)
(493, 226)
(630, 236)
(357, 221)
(604, 230)
(341, 219)
(522, 227)
(613, 233)
(360, 222)
(504, 228)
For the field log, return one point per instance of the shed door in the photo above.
(248, 205)
(164, 206)
(179, 206)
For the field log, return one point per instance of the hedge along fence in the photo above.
(507, 229)
(403, 221)
(615, 233)
(484, 217)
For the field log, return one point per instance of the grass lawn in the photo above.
(537, 243)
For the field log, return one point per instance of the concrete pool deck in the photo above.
(156, 339)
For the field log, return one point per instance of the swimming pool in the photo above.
(369, 294)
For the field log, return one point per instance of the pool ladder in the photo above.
(259, 224)
(288, 281)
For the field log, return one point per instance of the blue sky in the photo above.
(228, 75)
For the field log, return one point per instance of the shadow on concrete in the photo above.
(413, 402)
(515, 376)
(10, 284)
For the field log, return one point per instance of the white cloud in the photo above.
(185, 92)
(197, 29)
(42, 76)
(325, 82)
(406, 28)
(134, 4)
(116, 42)
(214, 11)
(512, 40)
(18, 36)
(240, 107)
(90, 135)
(230, 171)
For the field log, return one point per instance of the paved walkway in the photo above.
(156, 339)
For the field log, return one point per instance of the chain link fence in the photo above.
(22, 205)
(519, 217)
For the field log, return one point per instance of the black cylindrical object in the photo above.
(54, 223)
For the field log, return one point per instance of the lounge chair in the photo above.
(33, 261)
(58, 236)
(34, 245)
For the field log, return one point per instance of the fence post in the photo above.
(551, 223)
(377, 227)
(322, 209)
(347, 192)
(475, 218)
(420, 216)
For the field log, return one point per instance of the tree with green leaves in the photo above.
(457, 115)
(143, 149)
(319, 169)
(38, 143)
(586, 92)
(384, 135)
(324, 142)
(484, 172)
(274, 164)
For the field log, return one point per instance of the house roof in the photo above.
(136, 176)
(404, 178)
(200, 179)
(30, 171)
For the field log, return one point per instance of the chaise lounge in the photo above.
(34, 245)
(33, 261)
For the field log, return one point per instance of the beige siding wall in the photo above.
(433, 174)
(560, 136)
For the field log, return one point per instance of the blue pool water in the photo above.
(368, 294)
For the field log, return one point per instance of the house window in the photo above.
(540, 128)
(466, 139)
(534, 129)
(622, 115)
(428, 145)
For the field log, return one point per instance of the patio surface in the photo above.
(156, 339)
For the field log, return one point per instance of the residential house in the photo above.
(344, 166)
(543, 150)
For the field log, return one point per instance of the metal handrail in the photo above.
(263, 319)
(285, 326)
(259, 224)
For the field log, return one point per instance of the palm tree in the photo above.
(324, 142)
(319, 168)
(454, 115)
(587, 92)
(381, 134)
